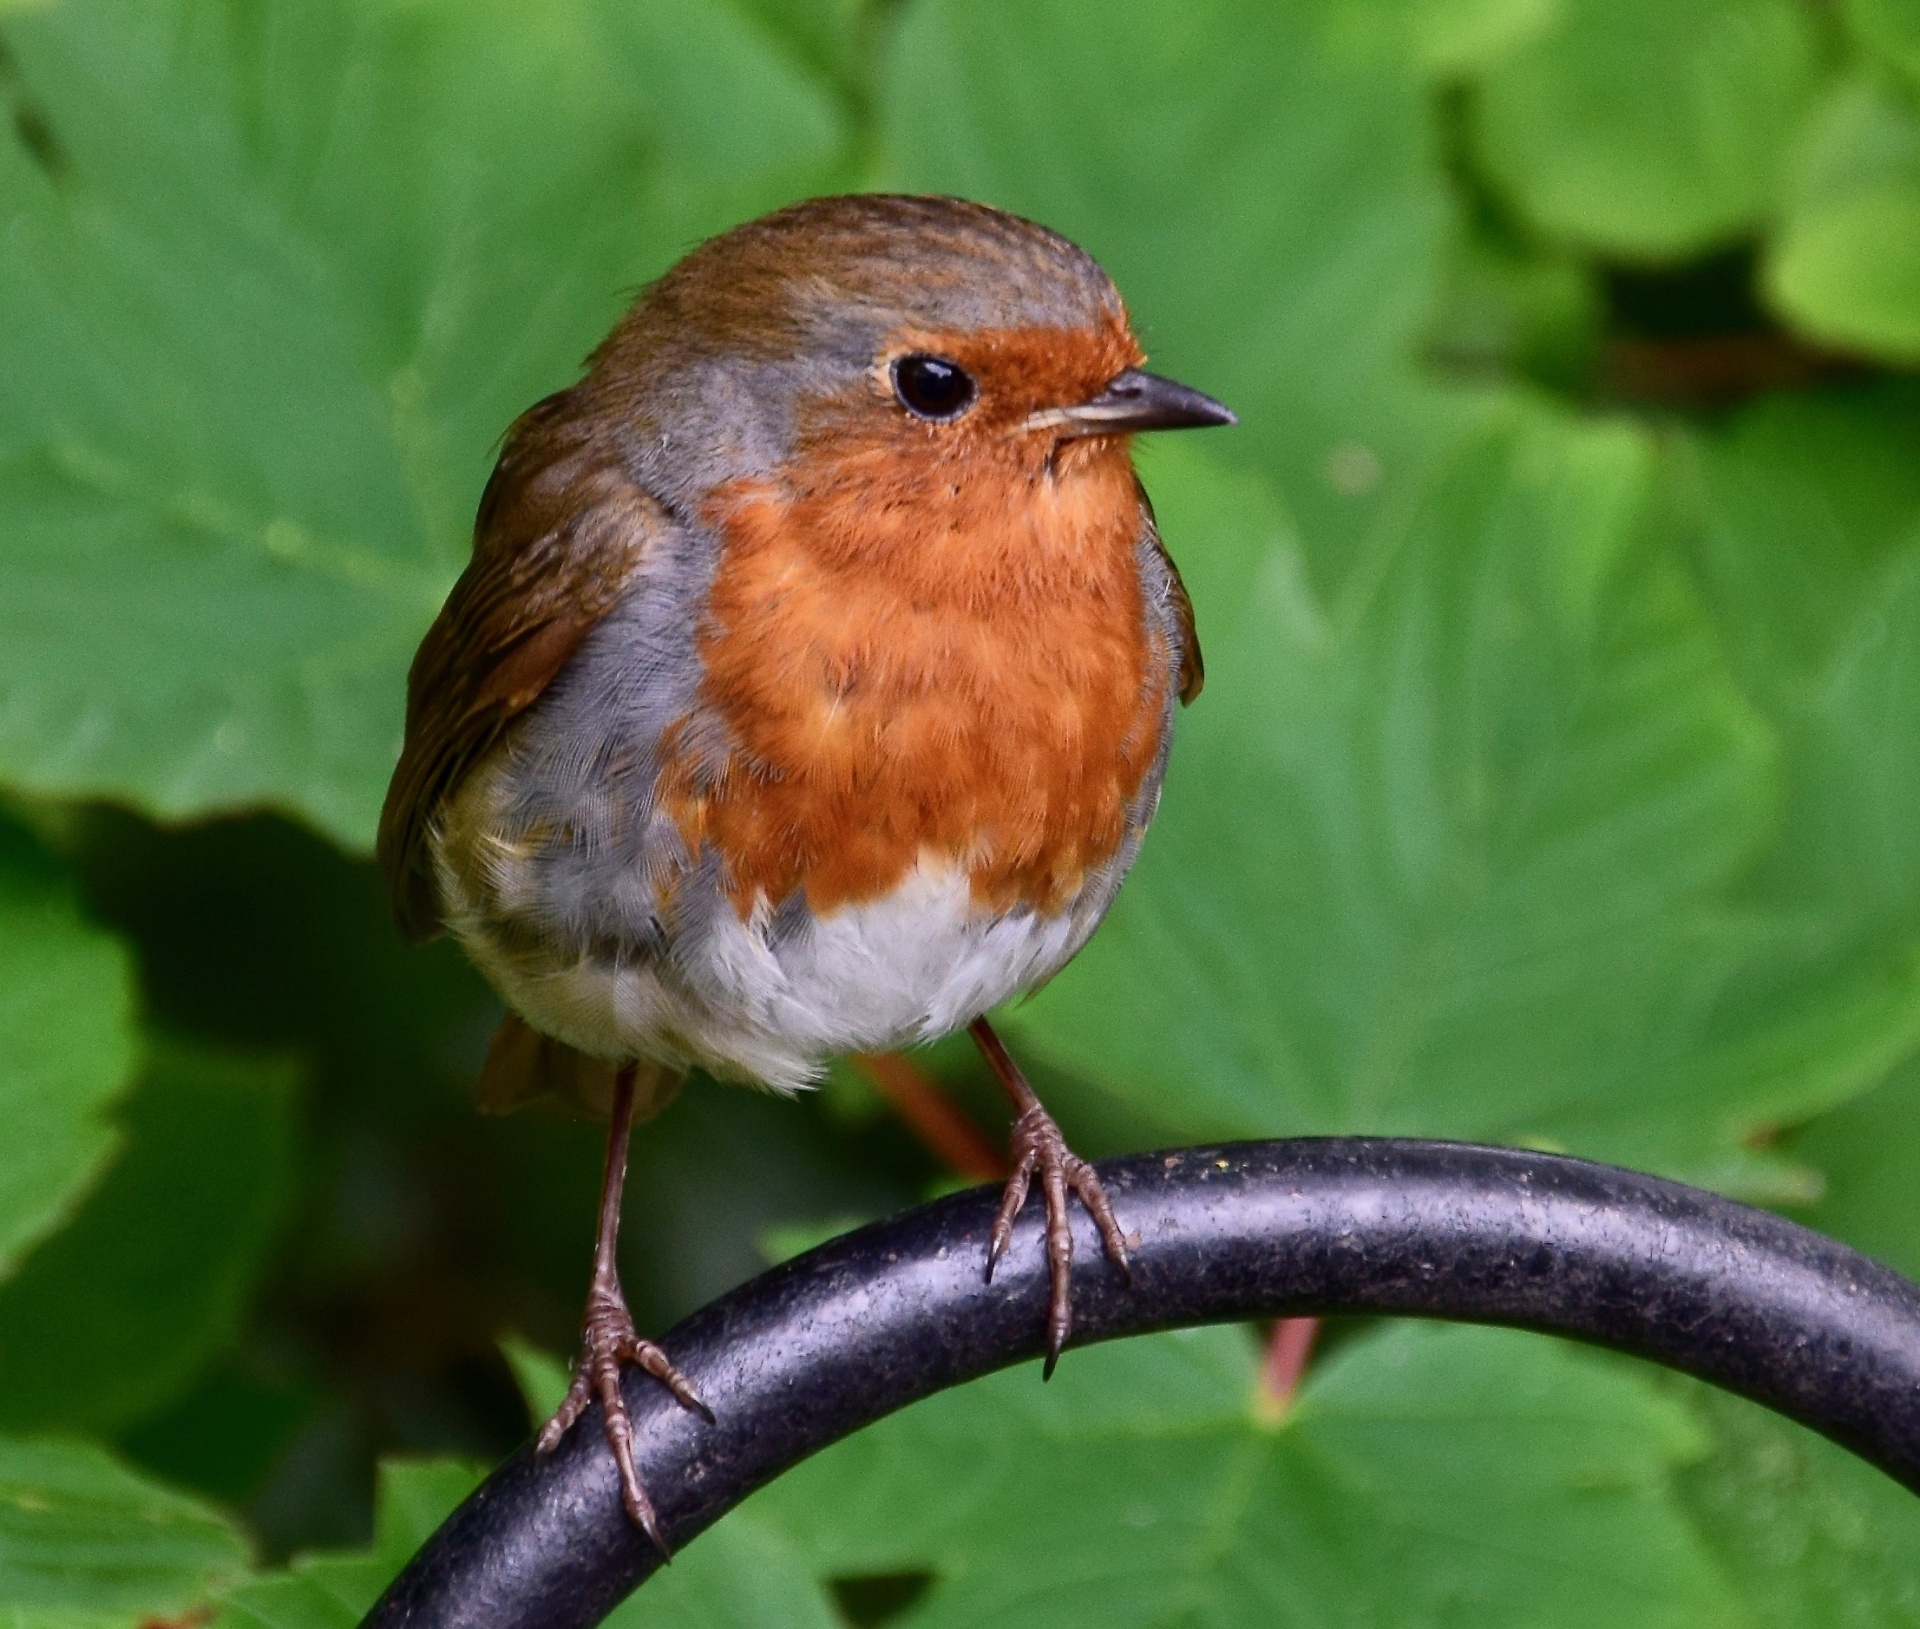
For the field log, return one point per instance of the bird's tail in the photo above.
(524, 1067)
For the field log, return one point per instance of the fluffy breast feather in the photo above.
(975, 680)
(793, 807)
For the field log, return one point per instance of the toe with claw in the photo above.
(1038, 1149)
(609, 1340)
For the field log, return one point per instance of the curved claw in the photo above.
(1038, 1148)
(1081, 1178)
(608, 1341)
(1010, 1202)
(654, 1361)
(619, 1430)
(569, 1410)
(1059, 1263)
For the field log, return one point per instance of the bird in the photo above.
(808, 691)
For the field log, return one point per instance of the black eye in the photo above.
(931, 387)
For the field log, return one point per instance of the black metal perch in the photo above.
(848, 1333)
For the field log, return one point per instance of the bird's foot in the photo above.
(608, 1340)
(1038, 1148)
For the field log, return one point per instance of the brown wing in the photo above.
(1193, 669)
(560, 532)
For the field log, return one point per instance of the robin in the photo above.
(809, 690)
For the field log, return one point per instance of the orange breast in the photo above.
(949, 661)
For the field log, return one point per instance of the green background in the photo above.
(1556, 782)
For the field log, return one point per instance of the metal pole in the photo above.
(868, 1323)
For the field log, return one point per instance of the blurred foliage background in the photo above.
(1555, 783)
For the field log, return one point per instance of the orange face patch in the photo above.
(927, 643)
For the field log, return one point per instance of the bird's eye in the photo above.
(931, 387)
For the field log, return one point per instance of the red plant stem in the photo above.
(932, 1116)
(1289, 1347)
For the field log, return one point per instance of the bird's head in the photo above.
(894, 350)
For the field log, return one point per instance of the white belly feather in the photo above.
(744, 1002)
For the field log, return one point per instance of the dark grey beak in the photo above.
(1135, 400)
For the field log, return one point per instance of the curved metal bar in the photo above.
(850, 1332)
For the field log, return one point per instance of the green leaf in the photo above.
(415, 1498)
(1426, 1475)
(1804, 522)
(1258, 179)
(1889, 28)
(113, 1316)
(1450, 38)
(1806, 1533)
(542, 1378)
(833, 39)
(86, 1544)
(1844, 266)
(1442, 857)
(335, 1591)
(1806, 513)
(1871, 1161)
(67, 1046)
(790, 1239)
(1648, 128)
(275, 284)
(1520, 316)
(741, 1575)
(327, 1592)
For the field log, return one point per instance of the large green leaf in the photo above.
(86, 1544)
(67, 1045)
(1870, 1158)
(1889, 28)
(742, 1575)
(1454, 37)
(836, 39)
(1845, 263)
(745, 1574)
(1808, 539)
(1648, 128)
(335, 1591)
(1259, 180)
(1443, 856)
(1804, 520)
(1427, 1475)
(113, 1316)
(275, 280)
(1806, 1534)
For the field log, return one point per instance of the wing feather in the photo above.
(560, 534)
(1193, 668)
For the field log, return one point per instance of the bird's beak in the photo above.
(1134, 400)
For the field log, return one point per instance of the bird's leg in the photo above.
(608, 1339)
(1039, 1149)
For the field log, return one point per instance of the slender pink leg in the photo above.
(608, 1339)
(1039, 1149)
